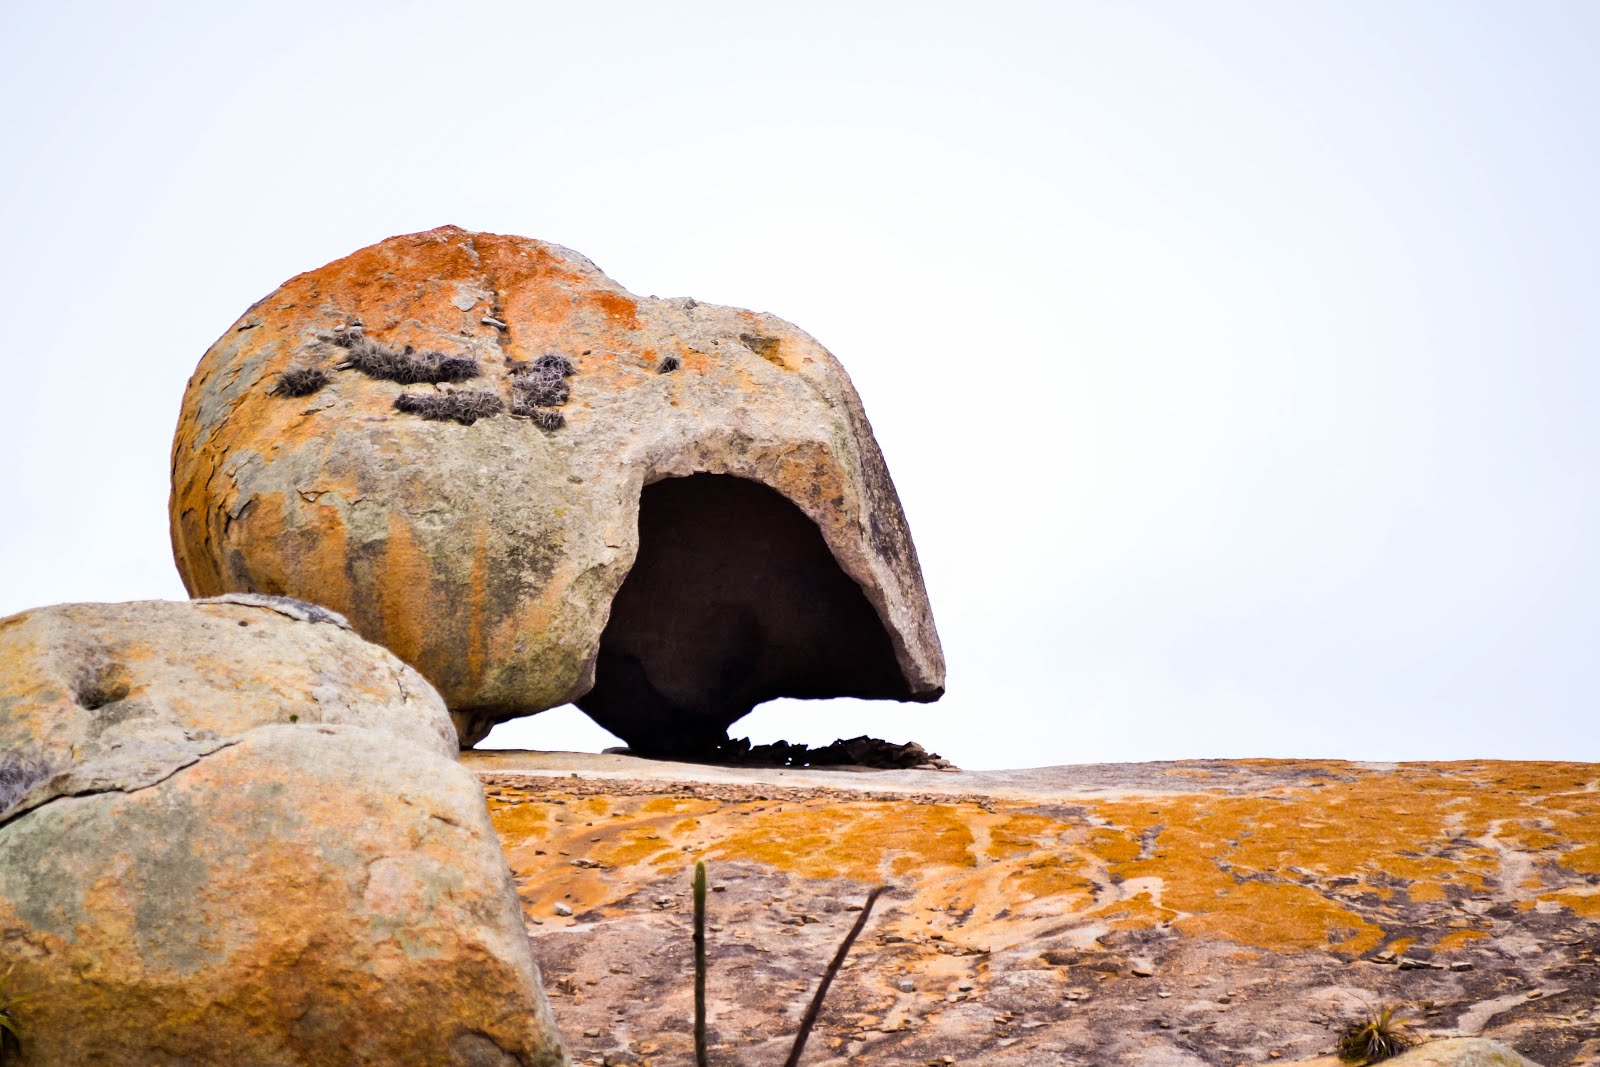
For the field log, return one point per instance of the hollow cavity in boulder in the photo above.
(734, 599)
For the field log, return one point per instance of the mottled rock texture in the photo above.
(301, 895)
(79, 682)
(1448, 1052)
(1165, 915)
(488, 554)
(1462, 1052)
(255, 846)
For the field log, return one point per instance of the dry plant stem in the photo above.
(815, 1009)
(700, 964)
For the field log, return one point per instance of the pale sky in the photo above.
(1237, 363)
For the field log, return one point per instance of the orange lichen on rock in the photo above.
(1287, 890)
(863, 842)
(489, 555)
(1294, 868)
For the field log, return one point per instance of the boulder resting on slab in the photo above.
(537, 488)
(303, 894)
(236, 832)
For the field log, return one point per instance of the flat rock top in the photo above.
(1077, 780)
(1204, 912)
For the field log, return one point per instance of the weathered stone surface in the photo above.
(490, 555)
(1271, 900)
(80, 682)
(303, 894)
(1450, 1052)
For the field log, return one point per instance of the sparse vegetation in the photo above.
(1375, 1036)
(301, 381)
(18, 774)
(406, 366)
(669, 364)
(10, 1030)
(554, 363)
(540, 390)
(543, 383)
(539, 387)
(465, 406)
(700, 964)
(809, 1021)
(544, 418)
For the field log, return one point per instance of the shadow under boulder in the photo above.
(734, 599)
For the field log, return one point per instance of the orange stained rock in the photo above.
(487, 556)
(1319, 866)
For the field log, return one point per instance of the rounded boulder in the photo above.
(79, 682)
(537, 488)
(302, 894)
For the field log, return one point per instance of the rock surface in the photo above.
(490, 554)
(252, 844)
(79, 682)
(1269, 902)
(303, 894)
(1450, 1052)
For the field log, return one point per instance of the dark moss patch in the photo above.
(466, 406)
(668, 365)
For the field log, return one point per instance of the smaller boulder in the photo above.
(302, 894)
(83, 681)
(233, 831)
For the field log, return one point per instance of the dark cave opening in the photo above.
(734, 599)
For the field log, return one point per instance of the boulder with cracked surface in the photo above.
(662, 510)
(303, 894)
(253, 844)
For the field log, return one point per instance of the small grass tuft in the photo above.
(543, 391)
(540, 386)
(669, 364)
(301, 381)
(554, 364)
(407, 366)
(1376, 1036)
(465, 406)
(544, 418)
